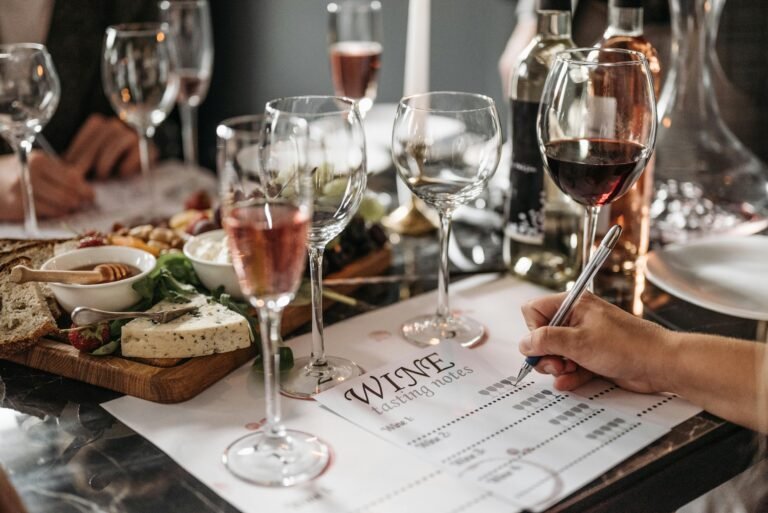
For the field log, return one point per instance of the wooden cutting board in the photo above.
(173, 381)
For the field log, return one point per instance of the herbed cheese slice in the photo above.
(212, 328)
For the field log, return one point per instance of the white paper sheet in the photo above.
(125, 201)
(368, 474)
(529, 444)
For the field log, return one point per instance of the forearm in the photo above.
(722, 375)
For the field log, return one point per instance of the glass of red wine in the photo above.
(354, 37)
(446, 147)
(266, 207)
(597, 127)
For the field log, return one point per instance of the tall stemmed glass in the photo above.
(354, 38)
(446, 170)
(266, 201)
(29, 95)
(336, 160)
(597, 127)
(189, 22)
(139, 78)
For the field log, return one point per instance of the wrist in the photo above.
(667, 354)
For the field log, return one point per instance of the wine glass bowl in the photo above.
(266, 202)
(334, 157)
(189, 24)
(29, 95)
(597, 127)
(446, 169)
(354, 36)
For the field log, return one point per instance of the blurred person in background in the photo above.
(89, 141)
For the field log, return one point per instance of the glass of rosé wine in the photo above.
(266, 206)
(354, 37)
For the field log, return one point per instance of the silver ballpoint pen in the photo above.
(584, 279)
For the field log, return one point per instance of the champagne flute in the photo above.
(189, 23)
(29, 95)
(597, 127)
(445, 169)
(139, 78)
(354, 37)
(336, 160)
(266, 201)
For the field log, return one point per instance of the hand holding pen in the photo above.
(581, 285)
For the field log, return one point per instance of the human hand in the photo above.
(58, 188)
(600, 339)
(105, 146)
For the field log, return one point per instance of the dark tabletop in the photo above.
(64, 453)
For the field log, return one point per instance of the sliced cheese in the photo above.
(212, 328)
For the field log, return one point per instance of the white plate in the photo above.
(725, 274)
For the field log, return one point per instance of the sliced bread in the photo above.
(24, 314)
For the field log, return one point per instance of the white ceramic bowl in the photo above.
(212, 274)
(117, 295)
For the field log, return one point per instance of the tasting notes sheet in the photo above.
(528, 444)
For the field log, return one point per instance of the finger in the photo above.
(539, 311)
(131, 164)
(553, 365)
(68, 181)
(84, 148)
(120, 142)
(552, 340)
(573, 380)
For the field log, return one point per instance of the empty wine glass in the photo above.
(266, 202)
(596, 127)
(29, 95)
(139, 78)
(354, 37)
(189, 22)
(446, 146)
(336, 160)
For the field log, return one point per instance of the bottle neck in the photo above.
(624, 21)
(554, 24)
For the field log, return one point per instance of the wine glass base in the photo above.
(305, 380)
(279, 462)
(430, 330)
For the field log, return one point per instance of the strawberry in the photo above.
(89, 338)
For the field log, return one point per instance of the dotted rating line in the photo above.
(469, 413)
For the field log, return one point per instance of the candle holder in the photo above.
(707, 181)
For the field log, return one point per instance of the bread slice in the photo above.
(24, 314)
(38, 252)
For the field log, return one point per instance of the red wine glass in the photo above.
(597, 127)
(266, 203)
(354, 38)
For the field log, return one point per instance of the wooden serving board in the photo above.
(173, 381)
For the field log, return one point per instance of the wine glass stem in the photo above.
(146, 171)
(189, 132)
(269, 323)
(443, 307)
(317, 358)
(588, 242)
(27, 197)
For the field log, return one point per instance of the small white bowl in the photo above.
(213, 274)
(118, 295)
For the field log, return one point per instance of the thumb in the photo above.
(539, 311)
(549, 340)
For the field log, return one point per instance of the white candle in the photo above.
(416, 79)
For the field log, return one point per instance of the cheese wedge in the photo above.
(212, 328)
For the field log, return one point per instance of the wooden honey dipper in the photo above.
(102, 273)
